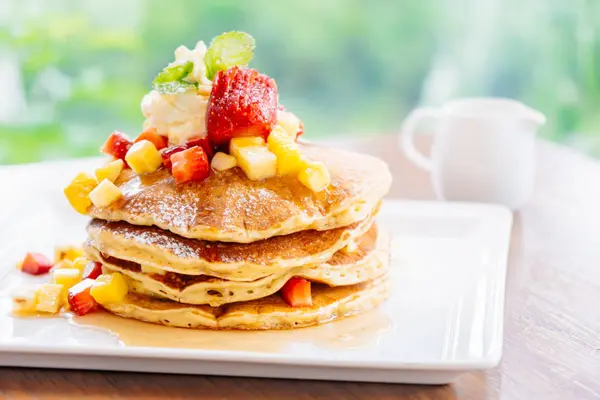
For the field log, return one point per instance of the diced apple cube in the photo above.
(257, 162)
(143, 157)
(25, 300)
(78, 192)
(105, 194)
(315, 176)
(223, 162)
(109, 288)
(289, 158)
(240, 142)
(70, 253)
(49, 298)
(80, 263)
(110, 171)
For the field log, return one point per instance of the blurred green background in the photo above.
(71, 71)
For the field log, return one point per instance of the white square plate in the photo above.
(445, 315)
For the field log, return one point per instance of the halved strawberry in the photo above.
(36, 264)
(93, 270)
(159, 141)
(243, 102)
(80, 300)
(190, 165)
(296, 292)
(168, 152)
(117, 145)
(204, 143)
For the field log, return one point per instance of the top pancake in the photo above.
(229, 207)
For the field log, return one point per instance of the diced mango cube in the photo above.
(78, 192)
(68, 277)
(49, 298)
(257, 162)
(25, 300)
(67, 252)
(315, 176)
(289, 122)
(289, 158)
(80, 263)
(143, 157)
(222, 162)
(109, 288)
(110, 171)
(105, 194)
(240, 142)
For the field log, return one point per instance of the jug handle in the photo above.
(407, 133)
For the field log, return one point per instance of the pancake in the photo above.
(267, 313)
(344, 268)
(228, 207)
(153, 247)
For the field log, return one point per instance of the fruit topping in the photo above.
(223, 162)
(315, 176)
(236, 144)
(243, 102)
(78, 191)
(49, 298)
(290, 123)
(167, 153)
(296, 292)
(109, 288)
(105, 194)
(36, 264)
(257, 162)
(190, 165)
(143, 157)
(93, 270)
(151, 135)
(70, 253)
(80, 300)
(67, 277)
(80, 263)
(117, 145)
(25, 300)
(110, 170)
(289, 158)
(227, 50)
(202, 142)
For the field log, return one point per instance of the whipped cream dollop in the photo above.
(181, 116)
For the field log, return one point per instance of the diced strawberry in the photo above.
(296, 292)
(190, 165)
(168, 152)
(243, 102)
(159, 141)
(36, 264)
(117, 145)
(80, 300)
(204, 143)
(300, 130)
(93, 270)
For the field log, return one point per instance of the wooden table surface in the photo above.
(552, 323)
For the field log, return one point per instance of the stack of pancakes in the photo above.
(214, 254)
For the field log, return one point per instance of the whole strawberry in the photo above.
(243, 102)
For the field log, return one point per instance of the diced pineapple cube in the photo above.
(109, 288)
(289, 158)
(80, 263)
(25, 300)
(241, 142)
(78, 192)
(289, 122)
(68, 277)
(222, 162)
(67, 252)
(147, 269)
(110, 171)
(64, 264)
(143, 157)
(257, 162)
(105, 194)
(315, 176)
(49, 298)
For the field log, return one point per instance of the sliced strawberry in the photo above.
(80, 300)
(204, 143)
(93, 270)
(243, 102)
(159, 141)
(117, 145)
(36, 264)
(190, 165)
(168, 152)
(296, 292)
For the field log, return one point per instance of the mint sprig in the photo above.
(170, 79)
(228, 49)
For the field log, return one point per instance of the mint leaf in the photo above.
(228, 49)
(170, 79)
